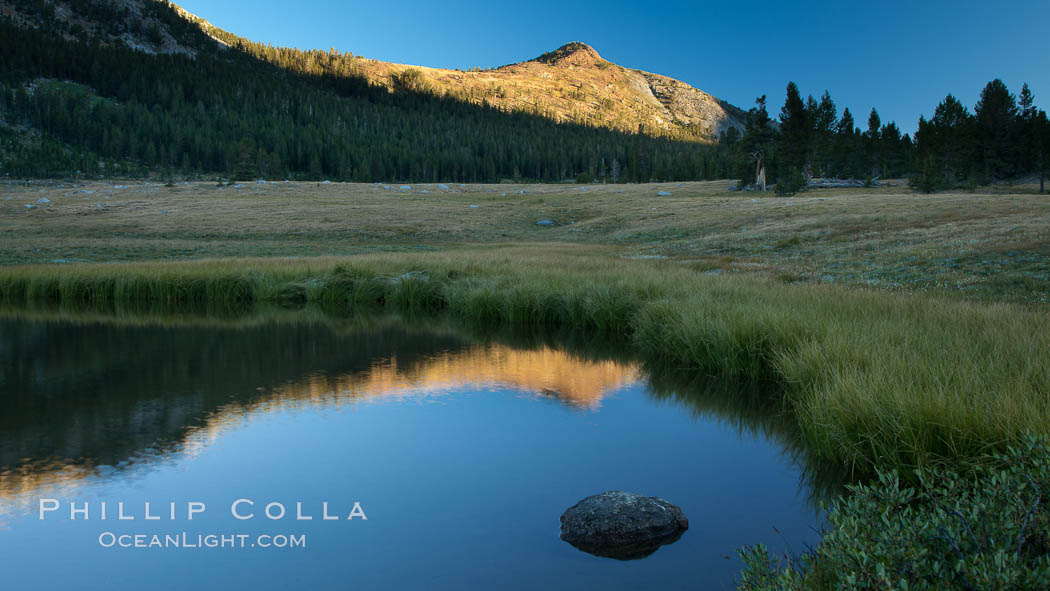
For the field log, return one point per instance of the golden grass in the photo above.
(983, 247)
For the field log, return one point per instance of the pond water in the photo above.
(461, 451)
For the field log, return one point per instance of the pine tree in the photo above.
(1042, 146)
(1026, 133)
(949, 139)
(824, 118)
(843, 144)
(245, 170)
(873, 145)
(891, 148)
(996, 113)
(755, 149)
(1026, 104)
(793, 144)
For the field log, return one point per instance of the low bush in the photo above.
(985, 529)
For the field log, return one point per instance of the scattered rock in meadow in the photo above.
(472, 206)
(664, 194)
(412, 276)
(544, 223)
(622, 525)
(43, 200)
(443, 186)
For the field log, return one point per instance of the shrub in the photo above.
(788, 243)
(794, 183)
(928, 178)
(988, 529)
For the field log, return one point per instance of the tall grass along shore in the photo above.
(873, 379)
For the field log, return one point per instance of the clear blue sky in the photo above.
(901, 57)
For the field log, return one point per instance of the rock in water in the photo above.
(622, 525)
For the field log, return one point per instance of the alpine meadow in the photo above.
(268, 285)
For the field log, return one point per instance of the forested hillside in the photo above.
(78, 102)
(140, 87)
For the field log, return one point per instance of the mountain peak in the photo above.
(575, 53)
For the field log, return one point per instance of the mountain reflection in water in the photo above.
(78, 396)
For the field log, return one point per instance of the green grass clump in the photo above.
(290, 295)
(788, 243)
(336, 289)
(989, 530)
(416, 292)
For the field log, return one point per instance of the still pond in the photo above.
(424, 456)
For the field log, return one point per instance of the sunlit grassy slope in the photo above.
(574, 84)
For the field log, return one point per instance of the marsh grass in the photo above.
(869, 378)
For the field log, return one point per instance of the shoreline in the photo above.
(873, 379)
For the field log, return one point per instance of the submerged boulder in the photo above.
(622, 525)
